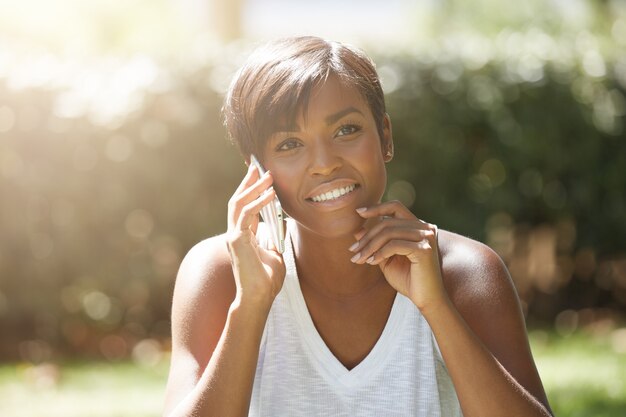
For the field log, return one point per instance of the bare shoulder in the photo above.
(482, 290)
(203, 294)
(205, 259)
(205, 274)
(473, 272)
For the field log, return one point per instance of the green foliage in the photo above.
(78, 389)
(109, 173)
(583, 374)
(519, 142)
(480, 141)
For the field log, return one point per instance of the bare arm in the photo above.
(483, 340)
(224, 291)
(470, 304)
(215, 340)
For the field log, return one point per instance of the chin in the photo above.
(332, 226)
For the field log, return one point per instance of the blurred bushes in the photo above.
(519, 142)
(111, 171)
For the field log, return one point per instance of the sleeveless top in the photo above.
(298, 376)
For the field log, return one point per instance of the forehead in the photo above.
(328, 98)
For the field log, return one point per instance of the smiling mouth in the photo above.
(334, 194)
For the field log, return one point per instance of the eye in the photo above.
(288, 145)
(348, 129)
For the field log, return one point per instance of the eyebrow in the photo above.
(331, 119)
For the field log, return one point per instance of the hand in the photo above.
(405, 248)
(259, 273)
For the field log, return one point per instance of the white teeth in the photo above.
(336, 193)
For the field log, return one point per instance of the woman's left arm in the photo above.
(482, 337)
(473, 311)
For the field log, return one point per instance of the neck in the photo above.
(324, 266)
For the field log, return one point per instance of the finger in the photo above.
(364, 236)
(256, 189)
(414, 251)
(270, 253)
(390, 208)
(239, 200)
(371, 243)
(374, 247)
(250, 213)
(251, 176)
(358, 235)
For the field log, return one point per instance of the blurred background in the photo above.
(509, 125)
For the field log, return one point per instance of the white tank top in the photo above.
(297, 375)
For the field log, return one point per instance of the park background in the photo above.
(508, 124)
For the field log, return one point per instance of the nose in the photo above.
(323, 160)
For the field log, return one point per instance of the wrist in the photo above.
(257, 305)
(435, 308)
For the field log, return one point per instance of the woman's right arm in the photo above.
(224, 290)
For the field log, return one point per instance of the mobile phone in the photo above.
(272, 214)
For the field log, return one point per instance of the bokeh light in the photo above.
(508, 122)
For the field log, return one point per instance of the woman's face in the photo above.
(331, 162)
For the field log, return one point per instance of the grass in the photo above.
(80, 389)
(584, 375)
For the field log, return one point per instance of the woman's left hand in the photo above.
(405, 248)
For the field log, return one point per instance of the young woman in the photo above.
(369, 311)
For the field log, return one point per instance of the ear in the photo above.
(387, 139)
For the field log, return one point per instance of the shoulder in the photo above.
(206, 266)
(461, 253)
(471, 270)
(203, 293)
(206, 275)
(482, 290)
(204, 290)
(480, 286)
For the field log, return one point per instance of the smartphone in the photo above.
(272, 214)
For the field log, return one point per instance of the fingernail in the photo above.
(361, 209)
(353, 247)
(358, 235)
(370, 259)
(356, 257)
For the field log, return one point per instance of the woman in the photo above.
(370, 311)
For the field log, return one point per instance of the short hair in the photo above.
(276, 82)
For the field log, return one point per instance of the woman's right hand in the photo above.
(259, 272)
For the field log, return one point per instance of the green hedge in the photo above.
(108, 175)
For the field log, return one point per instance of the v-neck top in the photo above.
(298, 375)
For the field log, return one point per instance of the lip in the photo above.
(329, 186)
(338, 203)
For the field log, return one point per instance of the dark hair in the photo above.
(276, 81)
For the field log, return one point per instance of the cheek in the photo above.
(374, 165)
(284, 185)
(370, 153)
